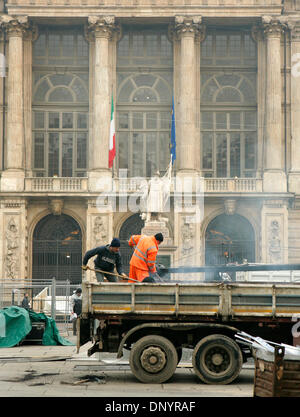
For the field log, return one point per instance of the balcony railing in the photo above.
(241, 185)
(131, 185)
(56, 184)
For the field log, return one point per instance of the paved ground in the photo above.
(58, 371)
(34, 371)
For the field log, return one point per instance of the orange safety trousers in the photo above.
(137, 274)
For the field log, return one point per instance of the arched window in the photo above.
(60, 103)
(229, 238)
(144, 100)
(57, 249)
(228, 105)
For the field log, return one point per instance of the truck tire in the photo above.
(217, 359)
(153, 359)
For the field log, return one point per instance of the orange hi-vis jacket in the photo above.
(146, 249)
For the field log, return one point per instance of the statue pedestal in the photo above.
(157, 226)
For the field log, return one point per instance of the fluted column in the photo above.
(274, 177)
(186, 29)
(29, 37)
(294, 174)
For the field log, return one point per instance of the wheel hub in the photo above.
(217, 359)
(153, 359)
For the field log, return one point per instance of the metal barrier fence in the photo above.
(51, 297)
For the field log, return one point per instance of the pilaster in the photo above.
(294, 174)
(13, 240)
(274, 226)
(99, 228)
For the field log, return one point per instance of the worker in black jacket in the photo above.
(108, 257)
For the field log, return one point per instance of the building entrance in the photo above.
(57, 249)
(229, 239)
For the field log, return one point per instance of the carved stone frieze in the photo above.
(100, 230)
(187, 235)
(12, 249)
(274, 242)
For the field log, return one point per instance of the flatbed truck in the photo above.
(155, 321)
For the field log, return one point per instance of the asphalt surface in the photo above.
(59, 371)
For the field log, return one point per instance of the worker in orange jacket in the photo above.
(142, 263)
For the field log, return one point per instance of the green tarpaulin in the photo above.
(18, 325)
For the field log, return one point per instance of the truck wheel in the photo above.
(153, 359)
(217, 359)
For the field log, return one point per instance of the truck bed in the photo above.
(236, 300)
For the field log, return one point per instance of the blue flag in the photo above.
(173, 134)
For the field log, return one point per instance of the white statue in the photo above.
(155, 195)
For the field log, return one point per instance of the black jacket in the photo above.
(105, 260)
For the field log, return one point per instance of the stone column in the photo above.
(102, 29)
(186, 29)
(294, 174)
(30, 36)
(99, 228)
(13, 177)
(274, 176)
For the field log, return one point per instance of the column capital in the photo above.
(31, 33)
(101, 27)
(274, 26)
(15, 25)
(188, 25)
(294, 27)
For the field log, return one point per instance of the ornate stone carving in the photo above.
(274, 242)
(99, 231)
(273, 26)
(187, 236)
(12, 246)
(56, 206)
(15, 25)
(187, 24)
(230, 206)
(101, 26)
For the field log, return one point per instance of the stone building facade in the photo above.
(232, 69)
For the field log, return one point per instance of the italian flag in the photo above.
(112, 137)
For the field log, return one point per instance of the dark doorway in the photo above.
(132, 226)
(57, 249)
(229, 239)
